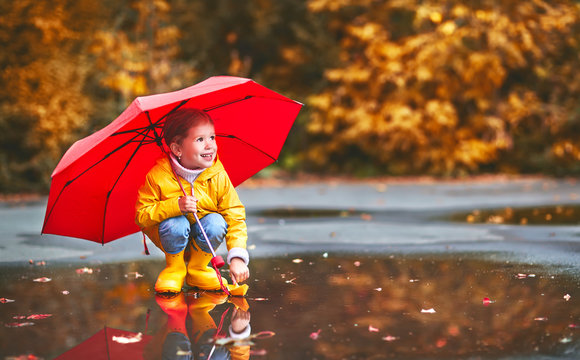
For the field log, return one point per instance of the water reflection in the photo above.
(190, 331)
(538, 215)
(324, 307)
(109, 343)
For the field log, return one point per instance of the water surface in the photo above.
(316, 306)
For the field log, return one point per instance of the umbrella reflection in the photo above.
(109, 343)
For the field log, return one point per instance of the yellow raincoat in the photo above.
(158, 196)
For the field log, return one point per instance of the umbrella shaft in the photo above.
(204, 235)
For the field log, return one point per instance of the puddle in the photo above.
(299, 307)
(538, 215)
(295, 213)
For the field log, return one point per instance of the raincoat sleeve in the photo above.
(234, 213)
(152, 209)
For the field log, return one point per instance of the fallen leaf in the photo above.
(17, 325)
(315, 335)
(390, 338)
(258, 352)
(134, 274)
(42, 279)
(453, 330)
(263, 335)
(373, 329)
(366, 217)
(4, 300)
(186, 353)
(487, 301)
(428, 311)
(441, 343)
(128, 339)
(23, 357)
(38, 316)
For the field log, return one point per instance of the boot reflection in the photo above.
(174, 339)
(205, 332)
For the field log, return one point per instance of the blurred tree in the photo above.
(42, 105)
(448, 87)
(442, 87)
(137, 54)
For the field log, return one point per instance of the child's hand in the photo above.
(187, 204)
(240, 320)
(239, 270)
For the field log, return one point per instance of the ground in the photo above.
(382, 215)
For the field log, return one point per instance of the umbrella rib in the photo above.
(227, 103)
(107, 343)
(82, 173)
(245, 98)
(247, 143)
(113, 187)
(153, 125)
(140, 131)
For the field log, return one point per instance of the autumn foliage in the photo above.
(391, 87)
(450, 87)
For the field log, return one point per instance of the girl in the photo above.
(166, 215)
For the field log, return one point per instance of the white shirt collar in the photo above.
(187, 174)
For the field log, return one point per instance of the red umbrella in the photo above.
(94, 186)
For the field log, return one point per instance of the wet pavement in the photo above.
(339, 271)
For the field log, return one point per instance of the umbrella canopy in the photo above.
(94, 186)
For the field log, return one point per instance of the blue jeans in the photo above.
(174, 233)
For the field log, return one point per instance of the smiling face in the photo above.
(198, 149)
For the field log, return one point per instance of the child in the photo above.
(166, 215)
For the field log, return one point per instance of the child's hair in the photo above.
(180, 121)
